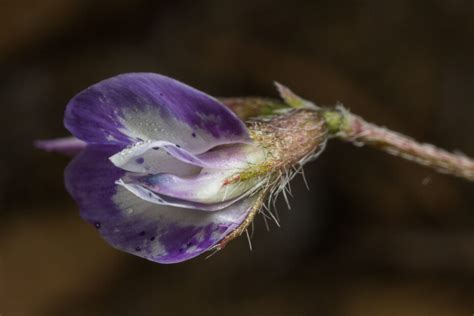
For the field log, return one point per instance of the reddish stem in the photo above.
(355, 129)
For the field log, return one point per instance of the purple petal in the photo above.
(69, 146)
(137, 107)
(155, 157)
(159, 233)
(208, 187)
(151, 158)
(148, 195)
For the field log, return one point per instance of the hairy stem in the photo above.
(349, 127)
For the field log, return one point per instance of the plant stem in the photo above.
(349, 127)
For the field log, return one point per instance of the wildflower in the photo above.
(167, 172)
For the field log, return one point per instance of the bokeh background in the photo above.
(375, 235)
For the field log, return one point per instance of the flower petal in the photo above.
(148, 195)
(159, 233)
(208, 187)
(152, 157)
(144, 106)
(69, 146)
(155, 157)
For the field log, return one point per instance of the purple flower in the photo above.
(156, 175)
(166, 172)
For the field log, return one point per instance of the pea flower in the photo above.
(166, 172)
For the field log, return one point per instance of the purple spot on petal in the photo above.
(138, 248)
(193, 134)
(178, 239)
(178, 146)
(142, 233)
(156, 148)
(140, 160)
(152, 238)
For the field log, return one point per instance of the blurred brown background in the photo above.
(374, 236)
